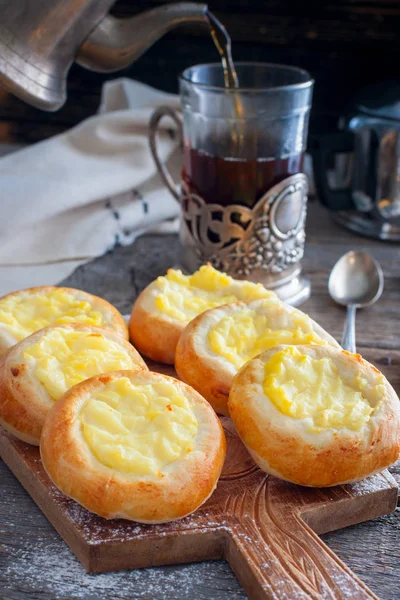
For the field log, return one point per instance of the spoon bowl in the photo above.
(355, 281)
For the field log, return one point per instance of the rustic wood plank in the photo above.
(368, 549)
(35, 564)
(30, 550)
(253, 520)
(377, 326)
(29, 547)
(120, 276)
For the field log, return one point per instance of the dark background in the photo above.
(345, 44)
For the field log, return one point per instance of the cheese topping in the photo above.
(241, 335)
(138, 429)
(302, 387)
(183, 297)
(22, 315)
(63, 358)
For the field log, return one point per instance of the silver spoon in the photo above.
(355, 281)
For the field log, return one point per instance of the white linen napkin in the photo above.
(75, 196)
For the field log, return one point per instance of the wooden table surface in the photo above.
(36, 564)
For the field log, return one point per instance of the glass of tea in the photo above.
(243, 195)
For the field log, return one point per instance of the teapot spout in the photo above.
(116, 43)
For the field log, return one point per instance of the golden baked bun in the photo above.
(217, 343)
(37, 371)
(168, 304)
(27, 311)
(316, 415)
(134, 445)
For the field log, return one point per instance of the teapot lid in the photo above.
(381, 100)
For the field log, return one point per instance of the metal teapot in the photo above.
(40, 39)
(363, 191)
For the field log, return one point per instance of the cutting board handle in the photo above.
(275, 554)
(275, 560)
(252, 520)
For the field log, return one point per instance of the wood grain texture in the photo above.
(263, 526)
(35, 563)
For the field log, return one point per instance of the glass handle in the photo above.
(156, 117)
(349, 332)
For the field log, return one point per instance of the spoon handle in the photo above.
(349, 332)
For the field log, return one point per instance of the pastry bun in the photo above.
(217, 343)
(37, 371)
(134, 445)
(168, 304)
(27, 311)
(316, 415)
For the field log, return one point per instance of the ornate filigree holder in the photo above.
(263, 244)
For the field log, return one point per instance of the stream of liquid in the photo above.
(238, 167)
(223, 44)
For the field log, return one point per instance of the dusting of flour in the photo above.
(53, 570)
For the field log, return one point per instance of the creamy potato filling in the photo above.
(22, 315)
(243, 334)
(183, 297)
(138, 429)
(63, 358)
(303, 387)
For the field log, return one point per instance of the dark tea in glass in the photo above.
(225, 180)
(243, 194)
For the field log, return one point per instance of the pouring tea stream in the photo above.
(40, 41)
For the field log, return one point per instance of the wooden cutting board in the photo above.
(266, 528)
